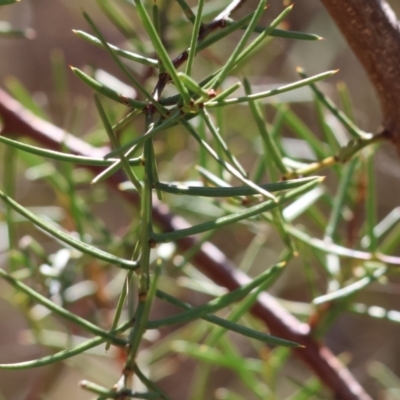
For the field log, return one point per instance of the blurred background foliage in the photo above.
(369, 345)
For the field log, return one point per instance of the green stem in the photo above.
(9, 187)
(146, 294)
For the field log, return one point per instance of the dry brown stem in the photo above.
(373, 32)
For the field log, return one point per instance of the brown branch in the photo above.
(210, 260)
(373, 33)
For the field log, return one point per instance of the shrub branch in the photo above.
(373, 32)
(18, 121)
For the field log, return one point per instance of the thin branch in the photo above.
(210, 260)
(373, 32)
(218, 22)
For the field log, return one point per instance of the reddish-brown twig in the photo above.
(373, 33)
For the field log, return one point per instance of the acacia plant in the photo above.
(166, 142)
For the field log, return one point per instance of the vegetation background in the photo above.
(363, 340)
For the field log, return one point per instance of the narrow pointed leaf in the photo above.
(57, 155)
(150, 62)
(269, 93)
(106, 91)
(64, 237)
(236, 217)
(61, 311)
(352, 288)
(182, 189)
